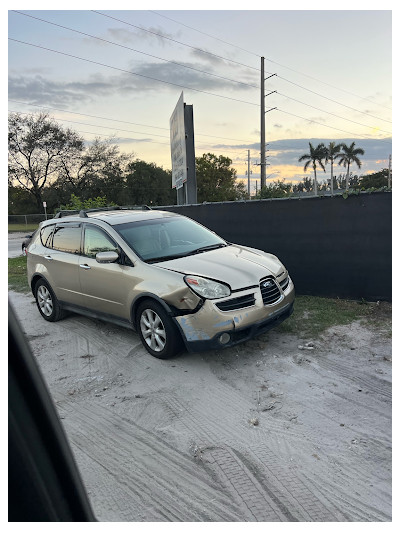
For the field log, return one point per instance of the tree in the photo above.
(276, 189)
(376, 180)
(314, 158)
(332, 153)
(96, 169)
(216, 179)
(148, 184)
(76, 203)
(303, 186)
(348, 156)
(37, 149)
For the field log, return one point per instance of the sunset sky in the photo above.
(120, 74)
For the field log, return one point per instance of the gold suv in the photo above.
(165, 276)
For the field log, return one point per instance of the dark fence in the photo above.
(331, 246)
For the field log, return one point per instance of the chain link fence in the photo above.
(28, 219)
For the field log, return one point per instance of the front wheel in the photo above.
(47, 302)
(158, 333)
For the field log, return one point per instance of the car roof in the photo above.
(114, 217)
(121, 217)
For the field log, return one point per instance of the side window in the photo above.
(67, 238)
(97, 241)
(46, 234)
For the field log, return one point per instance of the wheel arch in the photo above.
(35, 279)
(147, 296)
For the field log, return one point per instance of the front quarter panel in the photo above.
(165, 284)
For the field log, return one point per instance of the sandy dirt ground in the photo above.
(271, 430)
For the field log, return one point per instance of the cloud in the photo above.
(40, 90)
(150, 35)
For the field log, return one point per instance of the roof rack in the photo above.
(66, 213)
(83, 212)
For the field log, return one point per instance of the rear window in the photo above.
(46, 235)
(67, 238)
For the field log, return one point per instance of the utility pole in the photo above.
(262, 140)
(263, 163)
(390, 171)
(248, 172)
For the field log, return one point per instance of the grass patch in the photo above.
(313, 315)
(22, 228)
(17, 277)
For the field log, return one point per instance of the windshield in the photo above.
(162, 239)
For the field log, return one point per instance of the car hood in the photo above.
(235, 265)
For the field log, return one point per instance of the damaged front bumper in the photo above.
(212, 329)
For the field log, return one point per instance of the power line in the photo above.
(135, 50)
(99, 126)
(86, 114)
(328, 84)
(206, 34)
(331, 127)
(129, 131)
(133, 73)
(272, 61)
(109, 136)
(331, 100)
(174, 40)
(170, 83)
(117, 120)
(333, 114)
(122, 138)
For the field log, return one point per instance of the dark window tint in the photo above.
(97, 241)
(46, 235)
(67, 238)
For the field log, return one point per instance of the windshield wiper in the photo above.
(207, 248)
(164, 258)
(185, 254)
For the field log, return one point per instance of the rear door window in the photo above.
(46, 235)
(67, 238)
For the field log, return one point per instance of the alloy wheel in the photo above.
(45, 300)
(153, 330)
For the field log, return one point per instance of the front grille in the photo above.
(284, 283)
(237, 303)
(269, 290)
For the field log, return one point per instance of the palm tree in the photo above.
(314, 158)
(332, 153)
(350, 155)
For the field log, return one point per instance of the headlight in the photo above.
(207, 288)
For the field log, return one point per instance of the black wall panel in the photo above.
(332, 247)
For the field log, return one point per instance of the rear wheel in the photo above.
(158, 333)
(47, 302)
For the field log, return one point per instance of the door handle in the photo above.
(85, 267)
(48, 257)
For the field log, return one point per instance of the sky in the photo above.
(119, 74)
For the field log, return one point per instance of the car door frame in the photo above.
(102, 303)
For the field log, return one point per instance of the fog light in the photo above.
(224, 338)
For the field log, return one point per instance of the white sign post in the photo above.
(45, 212)
(178, 145)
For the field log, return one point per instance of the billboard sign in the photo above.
(178, 144)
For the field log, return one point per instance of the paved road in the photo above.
(14, 244)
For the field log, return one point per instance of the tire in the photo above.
(157, 332)
(47, 302)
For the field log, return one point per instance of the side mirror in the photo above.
(107, 257)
